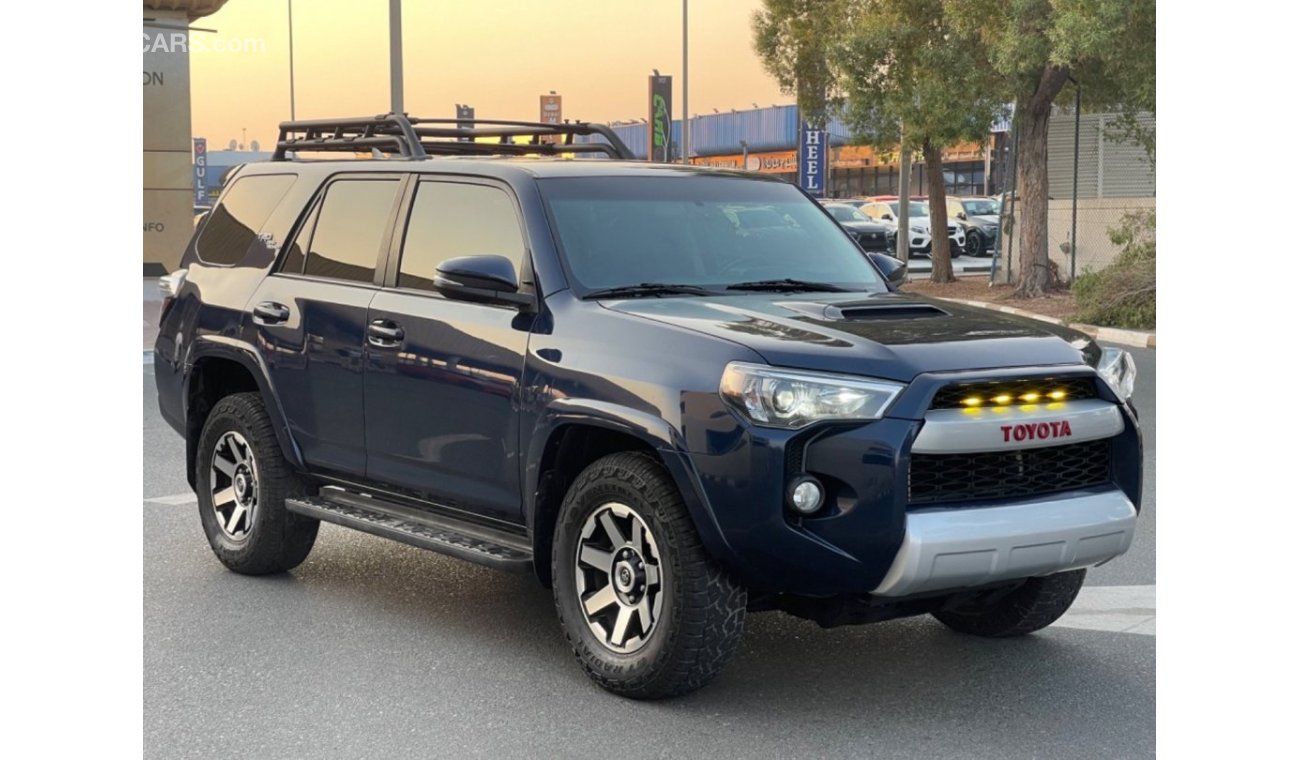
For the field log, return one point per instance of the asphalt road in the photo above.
(373, 649)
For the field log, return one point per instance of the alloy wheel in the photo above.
(234, 485)
(619, 577)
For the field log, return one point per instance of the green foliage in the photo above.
(1123, 294)
(1108, 46)
(791, 37)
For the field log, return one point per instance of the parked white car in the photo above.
(918, 222)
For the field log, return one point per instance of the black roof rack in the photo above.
(420, 138)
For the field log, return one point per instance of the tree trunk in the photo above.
(1032, 116)
(940, 254)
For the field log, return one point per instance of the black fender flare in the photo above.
(244, 354)
(653, 430)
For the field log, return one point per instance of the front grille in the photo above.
(939, 478)
(951, 396)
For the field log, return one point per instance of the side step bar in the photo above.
(426, 530)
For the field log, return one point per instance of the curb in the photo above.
(1137, 338)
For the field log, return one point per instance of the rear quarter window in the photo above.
(233, 226)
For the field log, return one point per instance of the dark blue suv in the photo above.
(674, 394)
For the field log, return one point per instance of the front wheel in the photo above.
(1035, 605)
(974, 243)
(645, 609)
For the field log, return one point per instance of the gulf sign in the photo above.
(200, 171)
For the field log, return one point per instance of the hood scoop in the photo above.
(866, 312)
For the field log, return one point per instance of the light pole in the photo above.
(292, 109)
(395, 53)
(1074, 196)
(686, 121)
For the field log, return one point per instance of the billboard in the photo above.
(200, 171)
(812, 160)
(661, 119)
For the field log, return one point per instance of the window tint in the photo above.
(451, 219)
(697, 230)
(296, 253)
(350, 228)
(233, 225)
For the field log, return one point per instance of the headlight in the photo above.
(1116, 367)
(793, 399)
(919, 230)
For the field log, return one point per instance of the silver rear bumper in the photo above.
(960, 547)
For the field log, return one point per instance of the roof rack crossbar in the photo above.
(417, 138)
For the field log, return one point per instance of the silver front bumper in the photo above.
(956, 548)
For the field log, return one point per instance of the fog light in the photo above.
(806, 495)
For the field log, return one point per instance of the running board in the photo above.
(446, 535)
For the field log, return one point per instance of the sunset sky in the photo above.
(497, 55)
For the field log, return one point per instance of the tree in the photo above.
(901, 62)
(791, 37)
(885, 63)
(1036, 47)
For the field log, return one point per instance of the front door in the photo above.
(442, 375)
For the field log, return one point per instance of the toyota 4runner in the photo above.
(505, 342)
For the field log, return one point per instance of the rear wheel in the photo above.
(242, 482)
(647, 611)
(1035, 605)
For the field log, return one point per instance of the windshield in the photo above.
(914, 210)
(705, 231)
(981, 208)
(846, 214)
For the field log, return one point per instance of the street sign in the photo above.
(812, 160)
(551, 113)
(464, 118)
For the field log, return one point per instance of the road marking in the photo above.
(1119, 609)
(175, 499)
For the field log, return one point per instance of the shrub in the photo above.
(1123, 294)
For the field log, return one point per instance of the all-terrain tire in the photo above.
(1035, 605)
(702, 616)
(275, 539)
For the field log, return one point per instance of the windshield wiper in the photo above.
(650, 289)
(788, 284)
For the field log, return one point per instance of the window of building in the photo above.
(451, 219)
(234, 224)
(350, 229)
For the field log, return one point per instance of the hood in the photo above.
(866, 226)
(895, 336)
(983, 219)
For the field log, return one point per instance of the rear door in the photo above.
(442, 375)
(310, 317)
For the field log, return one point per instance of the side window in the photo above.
(451, 219)
(350, 227)
(296, 253)
(233, 225)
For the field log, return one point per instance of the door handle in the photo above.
(385, 333)
(270, 313)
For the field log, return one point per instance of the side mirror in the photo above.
(887, 217)
(487, 278)
(895, 271)
(961, 214)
